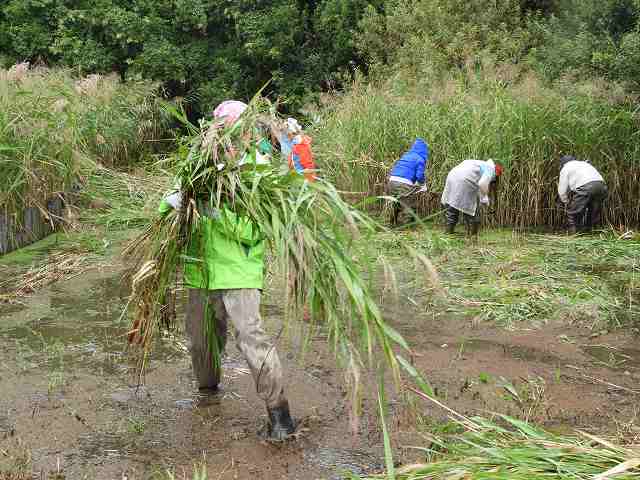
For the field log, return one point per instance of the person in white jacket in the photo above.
(468, 184)
(583, 190)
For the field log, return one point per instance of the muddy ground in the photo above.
(70, 406)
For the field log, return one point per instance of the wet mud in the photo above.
(71, 404)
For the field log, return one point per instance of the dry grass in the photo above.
(57, 266)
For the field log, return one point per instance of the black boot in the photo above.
(281, 424)
(473, 229)
(450, 228)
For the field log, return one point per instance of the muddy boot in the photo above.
(209, 391)
(281, 424)
(572, 230)
(450, 229)
(473, 229)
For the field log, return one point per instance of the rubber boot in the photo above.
(450, 228)
(473, 229)
(573, 230)
(281, 424)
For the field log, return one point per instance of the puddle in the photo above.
(100, 446)
(615, 358)
(186, 404)
(129, 394)
(77, 323)
(341, 461)
(518, 352)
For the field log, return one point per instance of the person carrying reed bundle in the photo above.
(406, 180)
(468, 184)
(224, 276)
(231, 206)
(583, 190)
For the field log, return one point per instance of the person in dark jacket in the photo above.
(582, 189)
(407, 178)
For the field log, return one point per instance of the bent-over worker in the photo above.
(469, 184)
(582, 189)
(406, 179)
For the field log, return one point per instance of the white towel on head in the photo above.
(293, 127)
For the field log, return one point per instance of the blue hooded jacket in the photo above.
(412, 164)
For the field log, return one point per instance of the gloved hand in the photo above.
(175, 200)
(484, 199)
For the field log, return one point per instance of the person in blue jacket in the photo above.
(406, 180)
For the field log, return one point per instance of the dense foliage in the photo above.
(208, 50)
(583, 38)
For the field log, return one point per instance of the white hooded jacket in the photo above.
(575, 174)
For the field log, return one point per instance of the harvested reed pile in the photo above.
(58, 266)
(310, 230)
(511, 449)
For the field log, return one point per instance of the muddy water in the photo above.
(616, 358)
(71, 400)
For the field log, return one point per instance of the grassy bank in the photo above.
(483, 113)
(54, 126)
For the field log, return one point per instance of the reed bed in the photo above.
(53, 127)
(518, 121)
(309, 229)
(119, 199)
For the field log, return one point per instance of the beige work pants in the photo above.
(242, 308)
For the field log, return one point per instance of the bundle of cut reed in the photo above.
(312, 234)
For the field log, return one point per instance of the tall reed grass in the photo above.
(487, 113)
(52, 126)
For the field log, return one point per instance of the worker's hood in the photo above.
(421, 148)
(230, 111)
(566, 159)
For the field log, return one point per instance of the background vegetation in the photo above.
(205, 50)
(54, 129)
(483, 113)
(521, 81)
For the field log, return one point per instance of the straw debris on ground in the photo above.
(511, 449)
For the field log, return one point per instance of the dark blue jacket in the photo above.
(413, 163)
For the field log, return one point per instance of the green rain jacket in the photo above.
(226, 251)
